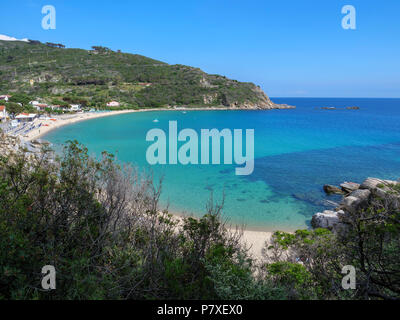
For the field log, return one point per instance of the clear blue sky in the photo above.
(289, 47)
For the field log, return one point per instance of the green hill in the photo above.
(94, 77)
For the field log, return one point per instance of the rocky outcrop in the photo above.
(356, 197)
(332, 189)
(327, 219)
(263, 103)
(349, 187)
(374, 183)
(355, 200)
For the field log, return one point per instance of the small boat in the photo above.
(156, 120)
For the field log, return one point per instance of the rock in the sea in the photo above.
(327, 219)
(332, 189)
(349, 186)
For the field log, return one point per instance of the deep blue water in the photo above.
(297, 152)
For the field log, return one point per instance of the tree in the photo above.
(101, 49)
(370, 242)
(99, 224)
(21, 98)
(373, 245)
(14, 108)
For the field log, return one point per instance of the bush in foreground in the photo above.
(100, 225)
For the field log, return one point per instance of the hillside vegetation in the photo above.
(94, 77)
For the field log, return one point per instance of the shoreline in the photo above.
(253, 239)
(49, 125)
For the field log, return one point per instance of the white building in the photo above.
(34, 103)
(3, 113)
(5, 97)
(40, 106)
(26, 117)
(75, 107)
(113, 104)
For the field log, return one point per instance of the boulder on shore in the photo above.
(373, 183)
(327, 219)
(349, 187)
(361, 194)
(355, 200)
(356, 197)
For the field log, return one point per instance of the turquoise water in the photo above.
(296, 153)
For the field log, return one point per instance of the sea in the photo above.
(297, 151)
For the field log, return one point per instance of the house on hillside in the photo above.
(5, 97)
(113, 104)
(41, 106)
(34, 103)
(3, 113)
(75, 107)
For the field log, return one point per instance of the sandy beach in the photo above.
(59, 121)
(255, 240)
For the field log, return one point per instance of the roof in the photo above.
(25, 115)
(2, 108)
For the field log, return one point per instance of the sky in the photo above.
(291, 48)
